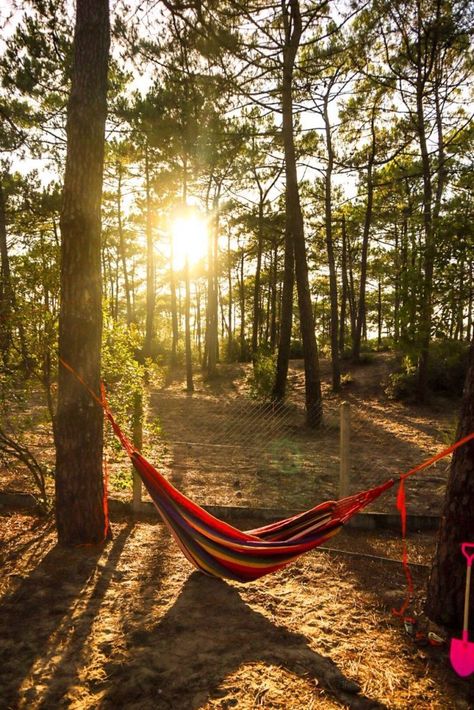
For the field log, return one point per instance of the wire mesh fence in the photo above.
(236, 451)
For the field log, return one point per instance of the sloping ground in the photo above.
(131, 626)
(221, 448)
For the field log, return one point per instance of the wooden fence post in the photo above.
(345, 463)
(137, 437)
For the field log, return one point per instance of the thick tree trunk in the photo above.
(80, 514)
(445, 598)
(294, 217)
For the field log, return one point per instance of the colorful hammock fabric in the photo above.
(221, 550)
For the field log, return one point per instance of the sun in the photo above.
(190, 236)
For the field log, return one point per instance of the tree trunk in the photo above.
(150, 265)
(294, 217)
(174, 309)
(273, 303)
(345, 287)
(243, 349)
(336, 370)
(187, 329)
(123, 255)
(258, 269)
(445, 598)
(80, 516)
(6, 290)
(286, 318)
(361, 315)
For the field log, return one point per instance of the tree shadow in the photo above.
(206, 635)
(47, 619)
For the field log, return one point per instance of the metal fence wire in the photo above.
(236, 451)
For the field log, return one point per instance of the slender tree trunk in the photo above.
(243, 349)
(379, 315)
(469, 331)
(174, 308)
(231, 301)
(345, 287)
(150, 265)
(396, 296)
(80, 514)
(187, 329)
(336, 370)
(274, 301)
(6, 289)
(445, 600)
(286, 318)
(361, 315)
(293, 29)
(123, 255)
(351, 289)
(258, 269)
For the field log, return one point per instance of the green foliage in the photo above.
(123, 376)
(446, 371)
(262, 377)
(296, 349)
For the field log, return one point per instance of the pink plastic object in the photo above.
(462, 650)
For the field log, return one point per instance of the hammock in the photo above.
(221, 550)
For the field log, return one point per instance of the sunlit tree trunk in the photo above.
(150, 265)
(80, 514)
(293, 29)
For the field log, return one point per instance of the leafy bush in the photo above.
(296, 349)
(262, 377)
(447, 368)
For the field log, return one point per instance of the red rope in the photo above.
(402, 508)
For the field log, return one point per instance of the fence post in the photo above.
(137, 437)
(344, 464)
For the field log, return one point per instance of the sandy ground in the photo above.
(130, 625)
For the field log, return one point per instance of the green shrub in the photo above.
(296, 349)
(447, 368)
(262, 377)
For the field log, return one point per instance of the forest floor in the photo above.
(130, 625)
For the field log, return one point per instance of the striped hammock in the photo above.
(219, 549)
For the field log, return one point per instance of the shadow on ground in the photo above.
(46, 621)
(206, 635)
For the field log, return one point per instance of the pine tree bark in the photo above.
(293, 29)
(445, 598)
(79, 435)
